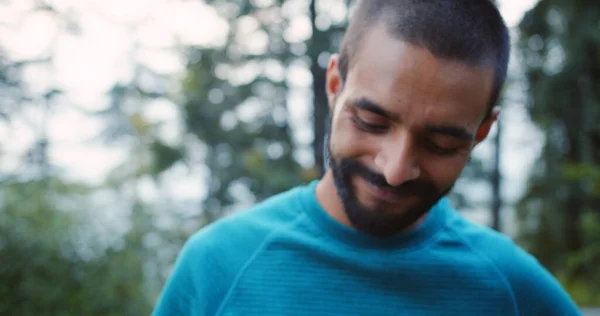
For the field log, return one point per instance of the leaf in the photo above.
(164, 156)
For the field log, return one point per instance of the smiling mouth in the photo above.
(385, 194)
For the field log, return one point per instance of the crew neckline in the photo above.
(434, 221)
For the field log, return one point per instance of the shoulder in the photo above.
(535, 291)
(238, 235)
(211, 259)
(250, 226)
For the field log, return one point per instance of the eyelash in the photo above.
(368, 127)
(379, 129)
(431, 146)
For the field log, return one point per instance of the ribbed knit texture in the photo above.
(287, 256)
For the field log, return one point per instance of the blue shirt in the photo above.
(287, 256)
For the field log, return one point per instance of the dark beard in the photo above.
(378, 222)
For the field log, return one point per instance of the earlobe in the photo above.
(333, 80)
(486, 126)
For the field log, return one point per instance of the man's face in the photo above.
(403, 126)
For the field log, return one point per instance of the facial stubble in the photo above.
(377, 221)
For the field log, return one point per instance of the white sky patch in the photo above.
(160, 110)
(299, 30)
(165, 113)
(255, 43)
(12, 11)
(521, 143)
(35, 35)
(89, 98)
(147, 190)
(249, 109)
(95, 59)
(160, 61)
(274, 70)
(60, 127)
(69, 5)
(39, 78)
(194, 22)
(246, 25)
(129, 11)
(242, 74)
(23, 138)
(88, 163)
(299, 75)
(512, 11)
(182, 183)
(301, 116)
(155, 36)
(338, 11)
(293, 8)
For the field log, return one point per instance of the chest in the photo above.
(300, 281)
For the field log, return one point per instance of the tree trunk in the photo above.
(320, 108)
(496, 181)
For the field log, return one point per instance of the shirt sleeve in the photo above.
(536, 291)
(180, 296)
(206, 268)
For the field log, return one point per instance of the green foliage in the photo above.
(236, 105)
(559, 214)
(586, 291)
(48, 267)
(165, 156)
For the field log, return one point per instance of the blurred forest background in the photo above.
(126, 126)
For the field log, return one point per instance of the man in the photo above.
(411, 93)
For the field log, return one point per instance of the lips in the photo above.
(383, 193)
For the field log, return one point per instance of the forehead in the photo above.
(417, 85)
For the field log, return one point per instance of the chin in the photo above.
(387, 208)
(378, 213)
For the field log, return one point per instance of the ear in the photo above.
(333, 84)
(486, 126)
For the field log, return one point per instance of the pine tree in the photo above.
(561, 48)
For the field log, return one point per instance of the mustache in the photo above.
(412, 187)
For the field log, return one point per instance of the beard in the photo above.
(380, 219)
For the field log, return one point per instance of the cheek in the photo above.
(443, 172)
(347, 141)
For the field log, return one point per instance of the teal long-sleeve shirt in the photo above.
(287, 256)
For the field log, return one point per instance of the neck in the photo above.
(328, 198)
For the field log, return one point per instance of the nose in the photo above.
(397, 160)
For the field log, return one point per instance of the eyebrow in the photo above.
(448, 130)
(368, 105)
(452, 131)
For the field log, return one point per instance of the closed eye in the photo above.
(369, 127)
(440, 150)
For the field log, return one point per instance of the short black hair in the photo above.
(468, 31)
